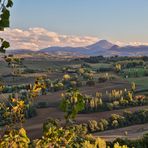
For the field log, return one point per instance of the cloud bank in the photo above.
(38, 38)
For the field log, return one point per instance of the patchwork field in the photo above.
(106, 94)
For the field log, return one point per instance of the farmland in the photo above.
(106, 89)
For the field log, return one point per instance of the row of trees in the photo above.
(116, 99)
(101, 59)
(117, 121)
(53, 136)
(131, 63)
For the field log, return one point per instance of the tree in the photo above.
(118, 68)
(5, 5)
(133, 86)
(72, 103)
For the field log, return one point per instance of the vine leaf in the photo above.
(4, 45)
(4, 22)
(9, 4)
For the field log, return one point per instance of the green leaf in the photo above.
(5, 14)
(9, 4)
(80, 106)
(6, 44)
(4, 22)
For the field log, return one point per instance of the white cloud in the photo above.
(137, 43)
(119, 43)
(38, 38)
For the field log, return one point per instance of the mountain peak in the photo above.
(102, 43)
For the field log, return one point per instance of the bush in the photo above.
(79, 84)
(103, 124)
(73, 84)
(30, 111)
(102, 79)
(110, 106)
(29, 71)
(115, 123)
(90, 83)
(58, 86)
(93, 126)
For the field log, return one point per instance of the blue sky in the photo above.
(116, 20)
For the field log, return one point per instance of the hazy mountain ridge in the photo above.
(103, 47)
(98, 48)
(20, 51)
(130, 50)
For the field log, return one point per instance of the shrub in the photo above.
(90, 83)
(103, 124)
(110, 106)
(79, 84)
(102, 79)
(30, 111)
(115, 123)
(93, 125)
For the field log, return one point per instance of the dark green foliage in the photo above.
(4, 21)
(30, 111)
(5, 14)
(90, 83)
(9, 4)
(102, 79)
(105, 69)
(4, 45)
(72, 103)
(139, 143)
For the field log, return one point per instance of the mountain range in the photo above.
(102, 47)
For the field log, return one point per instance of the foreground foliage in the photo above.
(53, 136)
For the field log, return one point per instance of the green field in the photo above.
(134, 72)
(141, 82)
(101, 65)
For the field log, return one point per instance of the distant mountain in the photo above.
(19, 51)
(130, 50)
(102, 47)
(101, 44)
(98, 48)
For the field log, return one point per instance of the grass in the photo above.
(141, 82)
(46, 63)
(100, 65)
(134, 72)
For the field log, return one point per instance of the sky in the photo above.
(37, 24)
